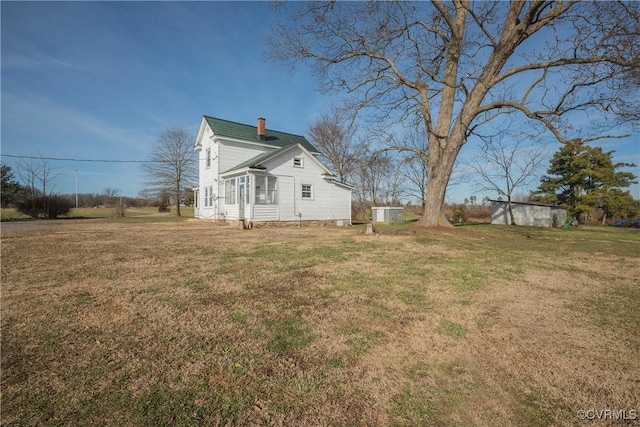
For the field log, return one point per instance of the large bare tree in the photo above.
(172, 165)
(412, 161)
(454, 66)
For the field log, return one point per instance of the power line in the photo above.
(82, 160)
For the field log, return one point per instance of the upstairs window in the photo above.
(298, 162)
(208, 161)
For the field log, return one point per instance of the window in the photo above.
(208, 157)
(272, 190)
(230, 191)
(266, 190)
(241, 190)
(297, 162)
(208, 197)
(307, 191)
(261, 190)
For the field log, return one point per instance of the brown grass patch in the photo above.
(187, 323)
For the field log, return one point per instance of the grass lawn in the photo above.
(10, 214)
(125, 322)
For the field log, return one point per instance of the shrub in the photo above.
(459, 213)
(33, 206)
(47, 206)
(163, 206)
(57, 206)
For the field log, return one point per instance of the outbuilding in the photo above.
(528, 214)
(387, 214)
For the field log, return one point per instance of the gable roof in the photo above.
(256, 162)
(272, 138)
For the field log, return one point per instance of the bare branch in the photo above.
(459, 66)
(173, 166)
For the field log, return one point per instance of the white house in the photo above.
(257, 175)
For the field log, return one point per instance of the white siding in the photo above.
(231, 212)
(233, 153)
(206, 175)
(527, 214)
(286, 198)
(225, 155)
(265, 213)
(330, 201)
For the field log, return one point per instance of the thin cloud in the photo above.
(25, 62)
(56, 118)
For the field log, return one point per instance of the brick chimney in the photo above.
(262, 128)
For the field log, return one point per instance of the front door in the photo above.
(241, 198)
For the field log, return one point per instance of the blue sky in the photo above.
(101, 80)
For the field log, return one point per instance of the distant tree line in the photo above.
(387, 168)
(34, 196)
(30, 190)
(171, 171)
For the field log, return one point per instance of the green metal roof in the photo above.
(235, 130)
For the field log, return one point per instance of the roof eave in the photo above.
(343, 184)
(240, 171)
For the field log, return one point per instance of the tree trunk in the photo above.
(440, 165)
(511, 217)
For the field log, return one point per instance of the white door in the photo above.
(241, 197)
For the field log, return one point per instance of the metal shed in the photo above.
(528, 214)
(388, 215)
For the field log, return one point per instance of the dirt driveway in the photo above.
(16, 226)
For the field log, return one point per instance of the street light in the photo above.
(76, 193)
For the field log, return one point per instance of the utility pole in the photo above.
(76, 193)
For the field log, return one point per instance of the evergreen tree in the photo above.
(10, 188)
(616, 203)
(581, 178)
